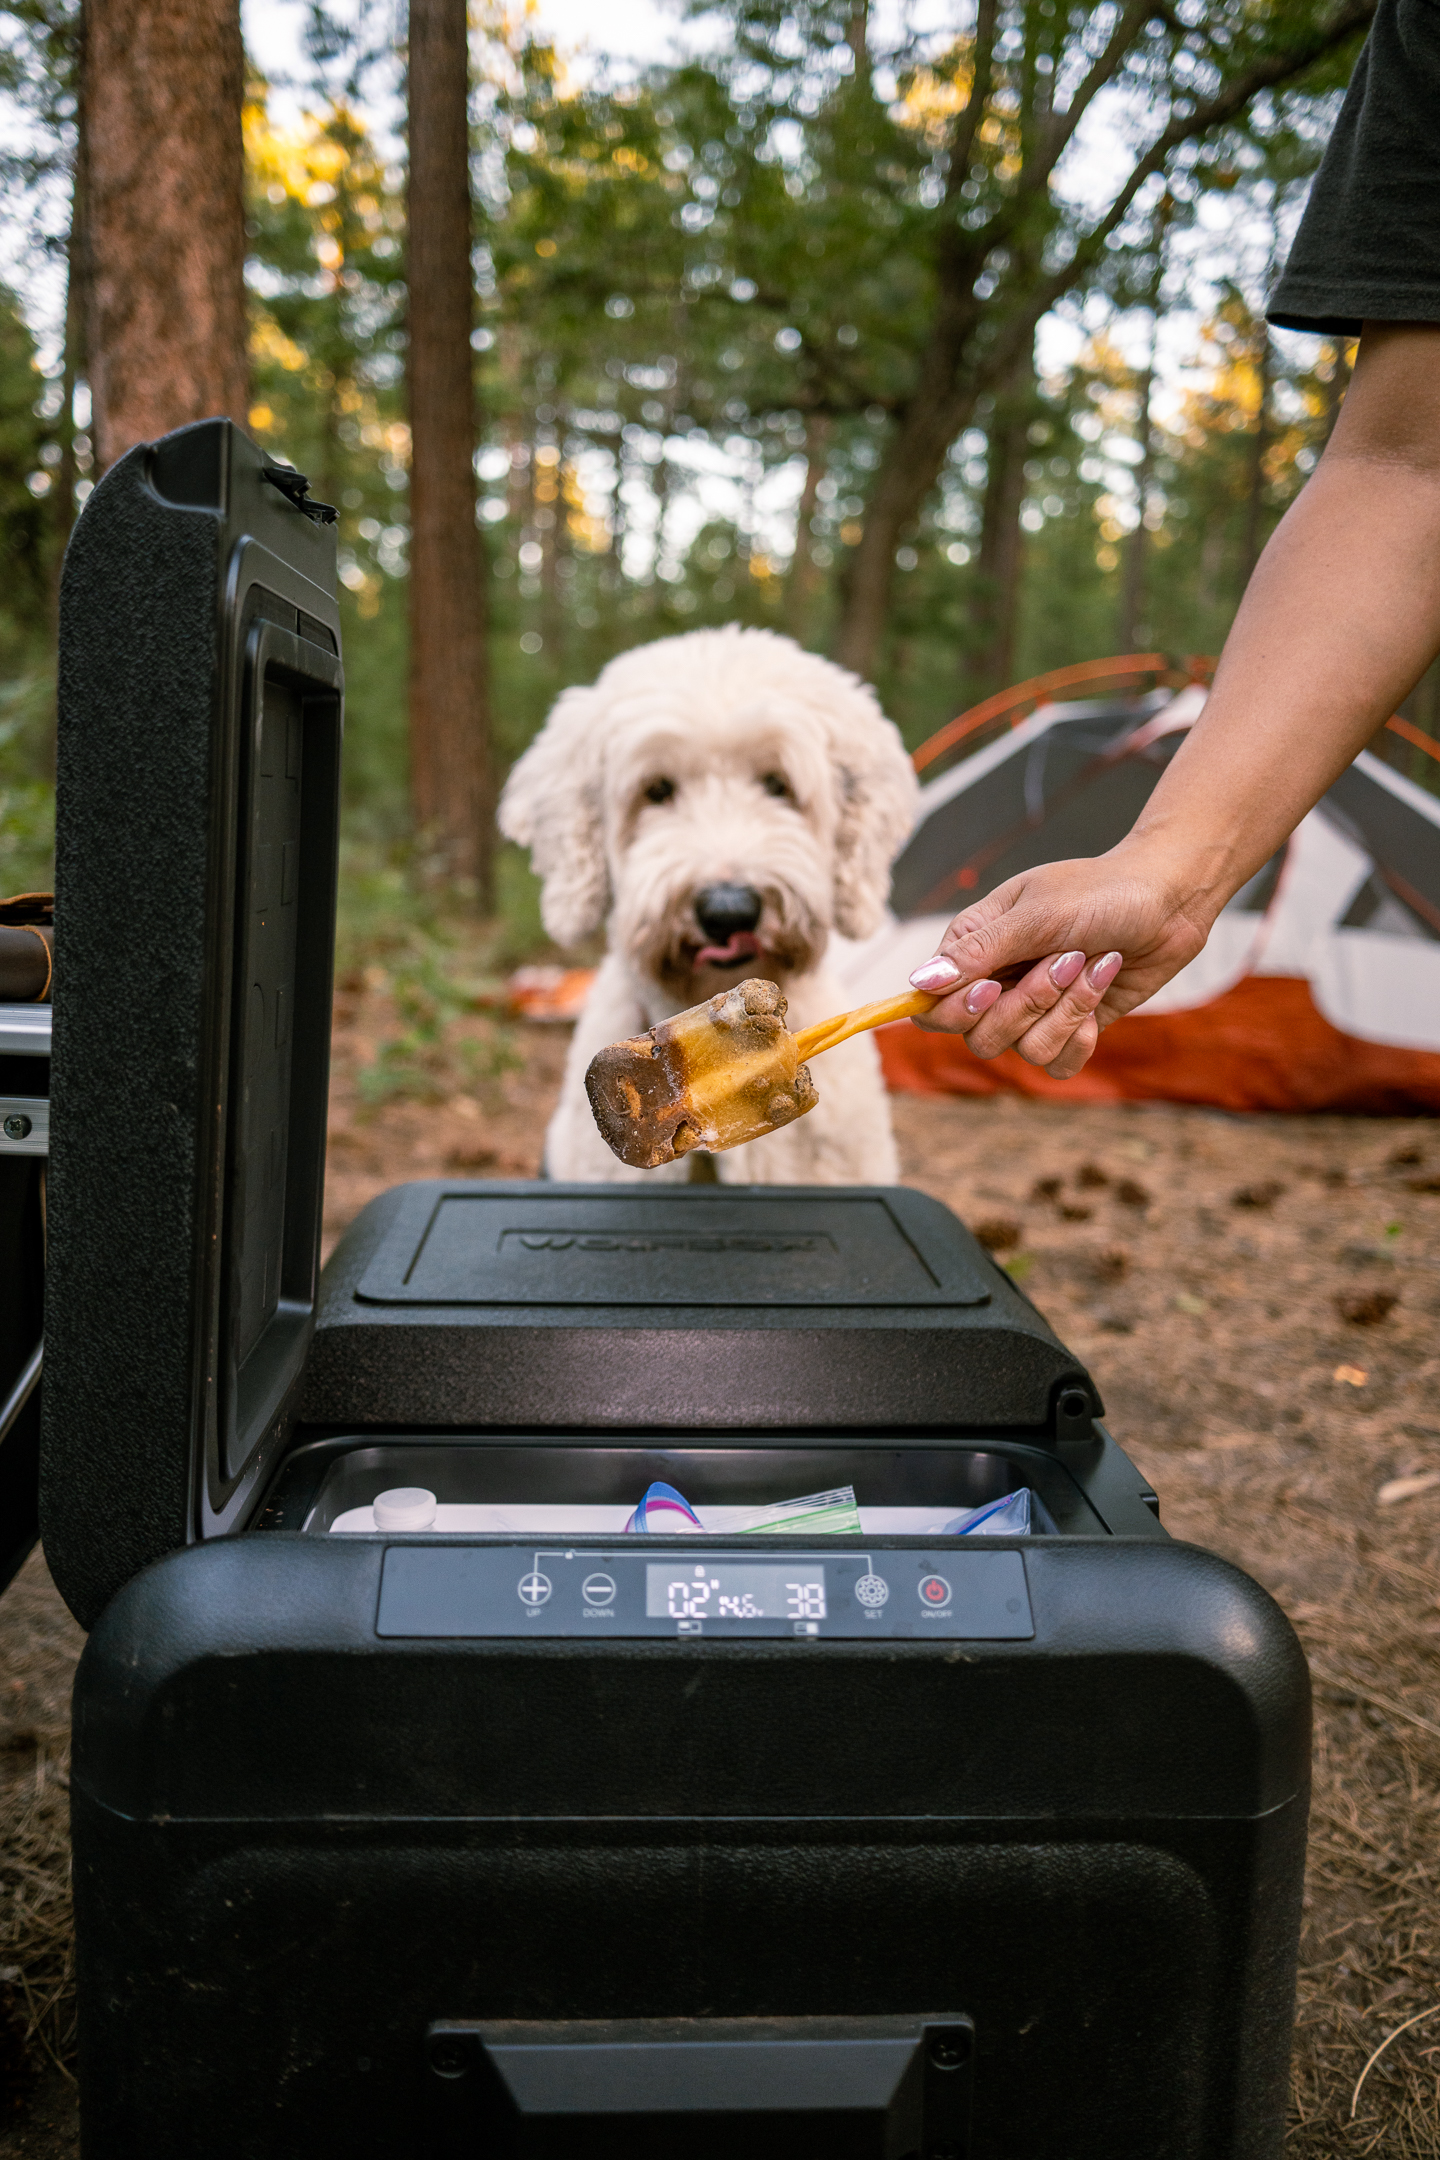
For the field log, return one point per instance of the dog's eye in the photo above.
(660, 791)
(775, 783)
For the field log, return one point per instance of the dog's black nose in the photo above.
(721, 910)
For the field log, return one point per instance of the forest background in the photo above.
(940, 349)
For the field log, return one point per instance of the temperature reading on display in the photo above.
(676, 1590)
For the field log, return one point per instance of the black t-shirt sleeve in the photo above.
(1368, 247)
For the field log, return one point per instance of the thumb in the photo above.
(1001, 931)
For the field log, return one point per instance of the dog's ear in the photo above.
(878, 796)
(552, 805)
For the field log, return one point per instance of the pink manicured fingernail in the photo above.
(1064, 970)
(936, 974)
(981, 996)
(1103, 973)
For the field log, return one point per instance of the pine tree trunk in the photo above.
(73, 366)
(1132, 625)
(942, 404)
(955, 365)
(857, 37)
(1132, 575)
(660, 490)
(995, 588)
(1259, 445)
(869, 575)
(614, 579)
(801, 580)
(451, 760)
(162, 84)
(550, 520)
(1337, 385)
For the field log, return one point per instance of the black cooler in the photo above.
(24, 1142)
(510, 1831)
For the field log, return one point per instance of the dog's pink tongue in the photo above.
(738, 946)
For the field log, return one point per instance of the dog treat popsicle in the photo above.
(719, 1073)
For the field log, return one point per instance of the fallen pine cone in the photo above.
(1045, 1188)
(1366, 1308)
(1072, 1211)
(1112, 1264)
(1091, 1175)
(471, 1158)
(996, 1235)
(1131, 1193)
(1258, 1196)
(1431, 1183)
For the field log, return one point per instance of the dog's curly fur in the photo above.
(722, 756)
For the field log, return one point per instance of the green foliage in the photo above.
(325, 216)
(390, 912)
(699, 292)
(27, 799)
(27, 552)
(401, 933)
(743, 257)
(25, 540)
(429, 1058)
(376, 765)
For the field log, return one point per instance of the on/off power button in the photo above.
(934, 1592)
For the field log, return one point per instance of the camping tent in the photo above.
(1319, 988)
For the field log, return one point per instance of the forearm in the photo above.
(1340, 620)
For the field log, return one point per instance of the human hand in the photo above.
(1052, 956)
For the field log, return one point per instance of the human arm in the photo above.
(1338, 623)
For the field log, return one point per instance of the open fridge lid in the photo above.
(197, 796)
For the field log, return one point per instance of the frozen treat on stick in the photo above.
(719, 1073)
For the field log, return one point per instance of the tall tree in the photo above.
(803, 575)
(163, 187)
(23, 517)
(1132, 575)
(1261, 438)
(451, 766)
(1337, 382)
(72, 359)
(1006, 246)
(995, 584)
(1132, 570)
(40, 81)
(990, 231)
(1254, 538)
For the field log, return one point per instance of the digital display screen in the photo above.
(679, 1590)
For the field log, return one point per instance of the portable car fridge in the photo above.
(24, 1144)
(497, 1842)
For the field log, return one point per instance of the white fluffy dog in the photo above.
(723, 802)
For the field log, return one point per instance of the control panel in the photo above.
(439, 1589)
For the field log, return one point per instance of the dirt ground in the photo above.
(1258, 1301)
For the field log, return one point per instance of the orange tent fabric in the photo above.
(1263, 1045)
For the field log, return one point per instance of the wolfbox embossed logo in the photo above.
(647, 1241)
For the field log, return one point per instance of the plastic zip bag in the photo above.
(827, 1514)
(1009, 1517)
